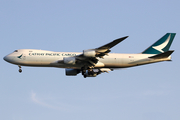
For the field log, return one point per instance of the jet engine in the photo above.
(72, 72)
(69, 60)
(89, 53)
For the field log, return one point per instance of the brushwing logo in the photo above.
(19, 56)
(163, 45)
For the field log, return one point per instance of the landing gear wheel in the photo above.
(90, 71)
(20, 70)
(84, 76)
(83, 70)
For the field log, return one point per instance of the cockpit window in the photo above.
(16, 51)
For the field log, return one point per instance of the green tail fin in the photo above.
(162, 45)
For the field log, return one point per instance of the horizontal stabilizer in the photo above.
(163, 55)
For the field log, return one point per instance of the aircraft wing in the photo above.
(90, 56)
(103, 50)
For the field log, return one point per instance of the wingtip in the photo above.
(125, 37)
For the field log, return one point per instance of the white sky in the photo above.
(149, 92)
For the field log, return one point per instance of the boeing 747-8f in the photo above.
(92, 62)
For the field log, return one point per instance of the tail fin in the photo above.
(162, 45)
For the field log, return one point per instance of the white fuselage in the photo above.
(43, 58)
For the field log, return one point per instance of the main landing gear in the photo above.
(83, 71)
(20, 70)
(87, 72)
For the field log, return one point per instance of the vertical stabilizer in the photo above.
(162, 45)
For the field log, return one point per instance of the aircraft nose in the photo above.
(7, 58)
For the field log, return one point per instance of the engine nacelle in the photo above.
(72, 72)
(69, 60)
(89, 53)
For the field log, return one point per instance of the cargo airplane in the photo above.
(92, 62)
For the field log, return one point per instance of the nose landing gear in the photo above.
(20, 70)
